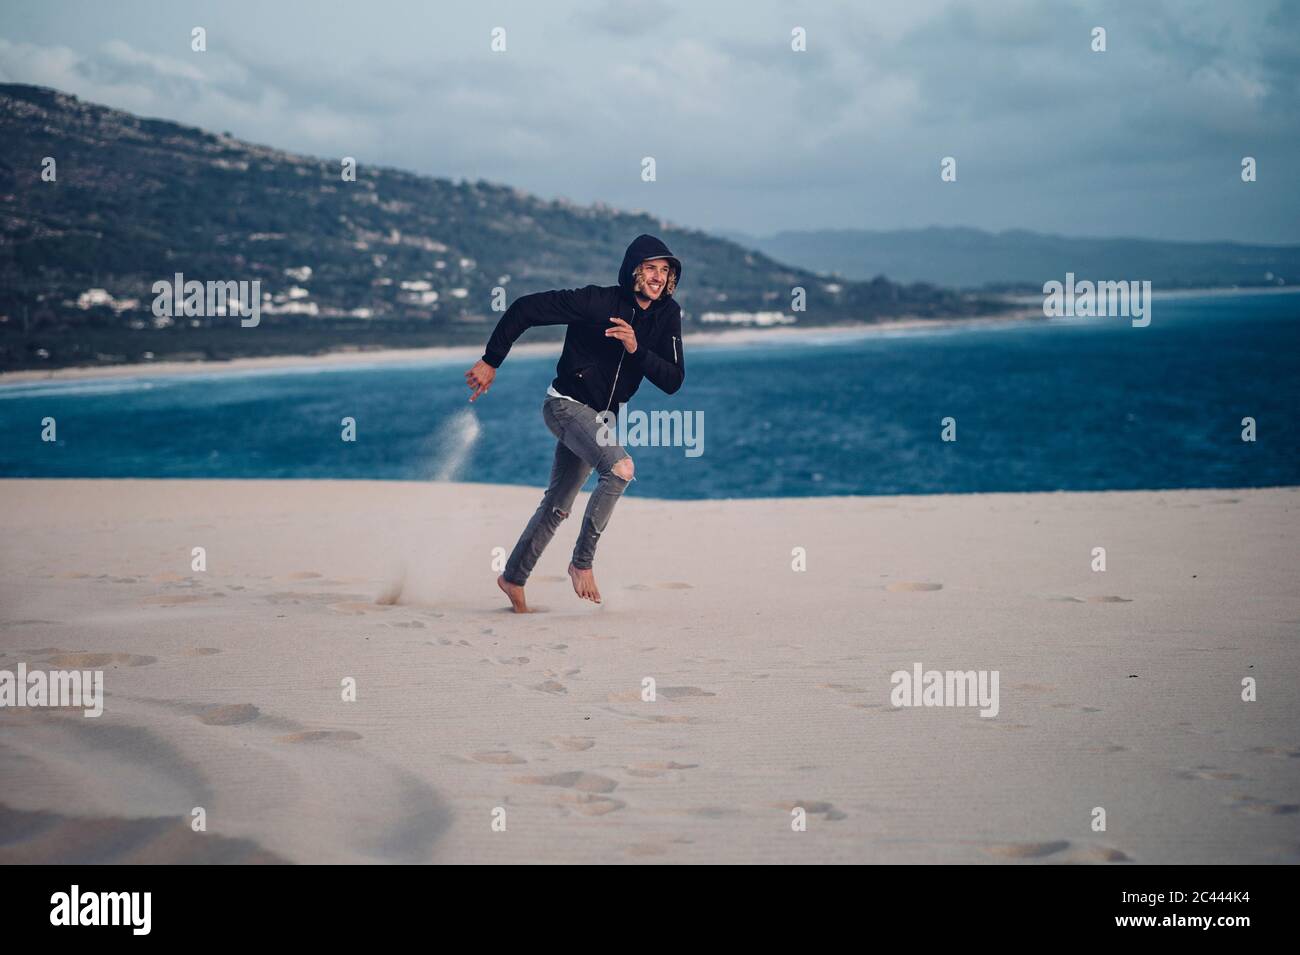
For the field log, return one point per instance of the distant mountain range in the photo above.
(392, 259)
(1020, 260)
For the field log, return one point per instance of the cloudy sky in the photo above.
(1145, 139)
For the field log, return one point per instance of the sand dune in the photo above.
(772, 687)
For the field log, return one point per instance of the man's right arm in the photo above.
(559, 307)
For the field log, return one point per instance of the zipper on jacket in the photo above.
(615, 384)
(619, 368)
(674, 349)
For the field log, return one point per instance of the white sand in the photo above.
(223, 687)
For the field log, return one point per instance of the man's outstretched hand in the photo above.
(479, 378)
(623, 332)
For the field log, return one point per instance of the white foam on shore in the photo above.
(77, 388)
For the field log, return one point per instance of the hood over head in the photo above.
(645, 247)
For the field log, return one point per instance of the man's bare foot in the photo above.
(584, 584)
(514, 592)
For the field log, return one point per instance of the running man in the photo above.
(617, 335)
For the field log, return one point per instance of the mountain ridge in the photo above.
(393, 259)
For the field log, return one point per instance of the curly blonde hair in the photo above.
(638, 284)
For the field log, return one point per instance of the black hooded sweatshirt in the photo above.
(594, 369)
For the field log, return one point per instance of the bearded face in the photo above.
(639, 282)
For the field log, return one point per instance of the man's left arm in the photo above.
(666, 368)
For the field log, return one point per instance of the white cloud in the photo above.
(747, 134)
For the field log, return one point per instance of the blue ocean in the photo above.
(1079, 404)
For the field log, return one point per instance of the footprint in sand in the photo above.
(1208, 772)
(653, 770)
(293, 597)
(656, 848)
(173, 600)
(590, 804)
(682, 692)
(356, 607)
(88, 661)
(202, 652)
(498, 757)
(814, 807)
(573, 744)
(1027, 850)
(550, 686)
(1105, 749)
(320, 736)
(1095, 855)
(302, 575)
(709, 812)
(583, 782)
(230, 715)
(667, 692)
(905, 586)
(1264, 807)
(646, 849)
(549, 579)
(1289, 752)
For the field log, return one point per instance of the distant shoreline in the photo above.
(1018, 310)
(470, 353)
(1026, 298)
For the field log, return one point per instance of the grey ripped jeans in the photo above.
(577, 454)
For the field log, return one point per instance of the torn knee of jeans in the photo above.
(560, 512)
